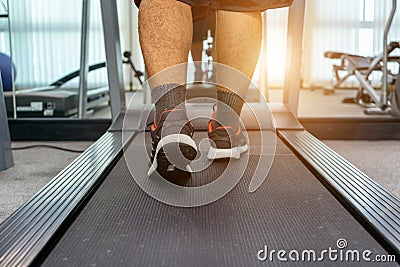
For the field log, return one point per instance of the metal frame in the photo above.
(11, 57)
(384, 94)
(373, 206)
(383, 106)
(395, 107)
(6, 158)
(294, 51)
(113, 56)
(84, 66)
(294, 48)
(39, 221)
(69, 128)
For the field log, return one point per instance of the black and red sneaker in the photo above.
(227, 141)
(173, 147)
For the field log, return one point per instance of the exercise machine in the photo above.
(362, 68)
(55, 100)
(6, 68)
(375, 103)
(95, 212)
(6, 158)
(349, 62)
(7, 73)
(138, 74)
(58, 100)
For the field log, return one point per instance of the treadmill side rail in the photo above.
(25, 234)
(371, 204)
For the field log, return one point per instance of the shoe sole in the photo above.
(187, 147)
(218, 153)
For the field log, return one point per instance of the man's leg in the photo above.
(238, 42)
(165, 32)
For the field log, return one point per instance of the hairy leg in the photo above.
(165, 31)
(238, 42)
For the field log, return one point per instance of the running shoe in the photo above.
(227, 141)
(173, 147)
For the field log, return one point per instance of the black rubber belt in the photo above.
(123, 226)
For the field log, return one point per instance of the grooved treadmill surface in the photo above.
(123, 226)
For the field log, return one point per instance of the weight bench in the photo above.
(350, 62)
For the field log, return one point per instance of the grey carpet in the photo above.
(380, 160)
(32, 170)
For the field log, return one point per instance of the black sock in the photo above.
(168, 97)
(229, 107)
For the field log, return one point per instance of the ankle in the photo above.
(168, 97)
(228, 109)
(228, 101)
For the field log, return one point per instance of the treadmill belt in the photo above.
(123, 226)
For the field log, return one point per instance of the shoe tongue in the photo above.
(175, 122)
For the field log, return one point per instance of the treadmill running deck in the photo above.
(123, 226)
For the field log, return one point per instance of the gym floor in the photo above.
(35, 167)
(312, 103)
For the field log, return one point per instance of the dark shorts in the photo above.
(203, 20)
(235, 5)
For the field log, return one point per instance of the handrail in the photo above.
(384, 97)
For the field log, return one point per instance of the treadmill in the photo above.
(55, 100)
(95, 213)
